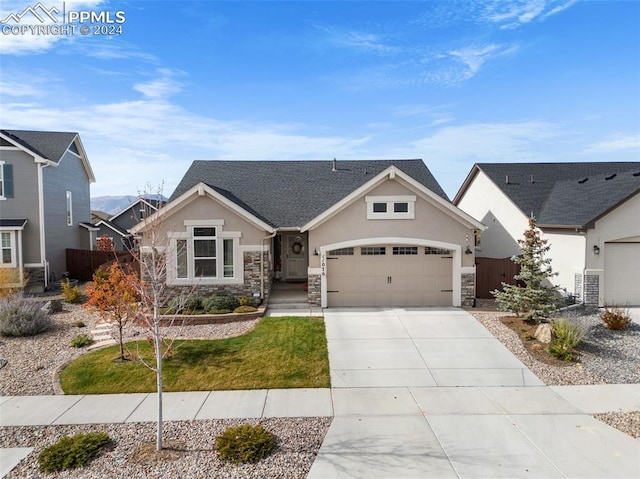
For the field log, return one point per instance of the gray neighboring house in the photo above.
(589, 213)
(45, 179)
(358, 233)
(116, 227)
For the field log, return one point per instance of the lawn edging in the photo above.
(200, 319)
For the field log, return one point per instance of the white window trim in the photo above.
(12, 246)
(221, 235)
(390, 201)
(2, 197)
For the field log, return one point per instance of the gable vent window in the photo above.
(341, 252)
(401, 207)
(373, 251)
(405, 250)
(379, 207)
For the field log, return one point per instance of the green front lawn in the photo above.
(288, 352)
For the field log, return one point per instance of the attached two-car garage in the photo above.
(389, 275)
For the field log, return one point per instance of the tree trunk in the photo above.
(158, 351)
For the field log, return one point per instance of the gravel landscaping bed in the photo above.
(189, 451)
(606, 357)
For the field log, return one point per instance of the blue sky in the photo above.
(452, 82)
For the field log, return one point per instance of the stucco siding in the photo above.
(621, 224)
(204, 208)
(351, 223)
(504, 221)
(69, 175)
(567, 258)
(24, 203)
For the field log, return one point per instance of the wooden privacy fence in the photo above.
(82, 263)
(491, 273)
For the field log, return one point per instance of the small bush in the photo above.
(219, 311)
(219, 301)
(81, 340)
(245, 301)
(79, 324)
(565, 336)
(245, 309)
(71, 294)
(181, 305)
(245, 443)
(71, 452)
(615, 317)
(21, 317)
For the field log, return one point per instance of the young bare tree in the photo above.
(152, 250)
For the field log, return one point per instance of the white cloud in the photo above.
(615, 142)
(162, 87)
(151, 139)
(358, 40)
(474, 57)
(515, 13)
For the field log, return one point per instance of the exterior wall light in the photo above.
(596, 249)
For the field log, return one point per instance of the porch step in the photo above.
(278, 305)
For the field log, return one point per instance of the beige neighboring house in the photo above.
(359, 233)
(589, 213)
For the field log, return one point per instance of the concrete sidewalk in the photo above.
(378, 432)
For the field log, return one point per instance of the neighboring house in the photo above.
(360, 233)
(44, 203)
(589, 213)
(117, 227)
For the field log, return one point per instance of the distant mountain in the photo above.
(114, 204)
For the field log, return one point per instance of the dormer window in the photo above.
(390, 207)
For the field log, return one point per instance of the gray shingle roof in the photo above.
(291, 193)
(50, 145)
(13, 223)
(565, 194)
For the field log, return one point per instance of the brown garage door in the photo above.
(390, 275)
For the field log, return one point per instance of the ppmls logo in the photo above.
(39, 11)
(53, 21)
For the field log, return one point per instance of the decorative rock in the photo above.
(543, 333)
(52, 306)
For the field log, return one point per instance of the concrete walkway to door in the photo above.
(431, 393)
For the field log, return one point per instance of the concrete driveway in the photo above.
(430, 393)
(395, 347)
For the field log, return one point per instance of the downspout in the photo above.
(43, 253)
(262, 263)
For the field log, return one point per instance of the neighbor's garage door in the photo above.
(390, 275)
(622, 273)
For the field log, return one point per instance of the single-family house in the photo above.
(588, 212)
(359, 233)
(116, 227)
(44, 203)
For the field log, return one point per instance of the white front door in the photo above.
(295, 257)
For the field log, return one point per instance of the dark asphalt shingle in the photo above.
(51, 145)
(565, 194)
(291, 193)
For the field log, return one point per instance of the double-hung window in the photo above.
(204, 252)
(69, 199)
(7, 249)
